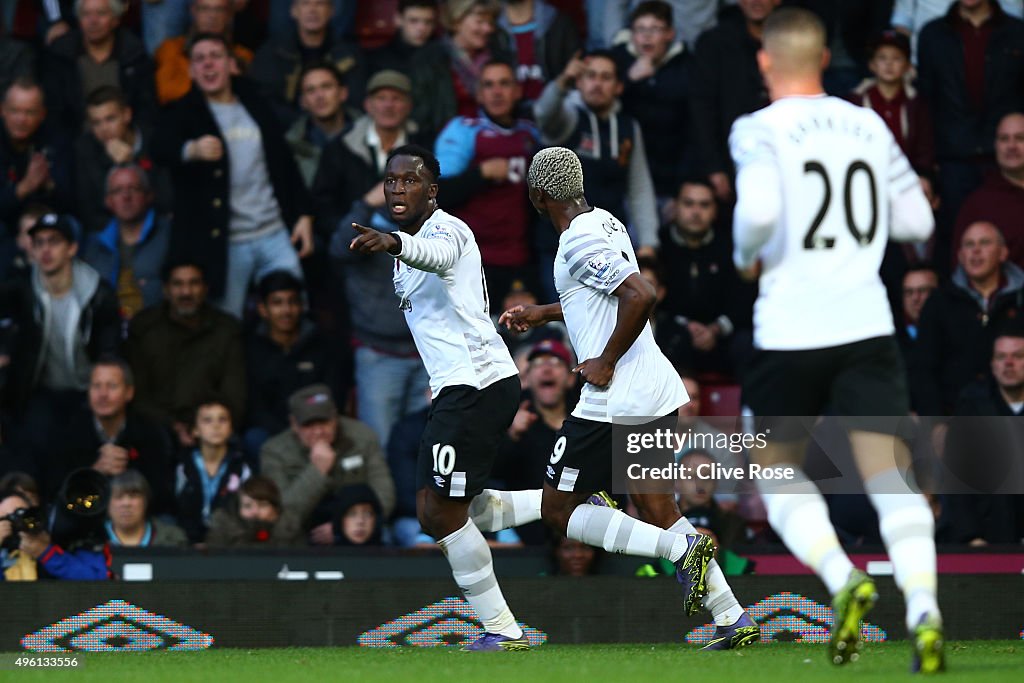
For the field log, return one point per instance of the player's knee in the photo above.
(555, 512)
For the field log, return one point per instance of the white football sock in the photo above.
(720, 600)
(494, 510)
(470, 560)
(800, 518)
(908, 530)
(617, 532)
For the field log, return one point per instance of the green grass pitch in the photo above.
(974, 661)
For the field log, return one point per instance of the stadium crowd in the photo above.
(180, 312)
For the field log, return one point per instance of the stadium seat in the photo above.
(719, 400)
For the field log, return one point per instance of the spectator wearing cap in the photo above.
(35, 154)
(546, 402)
(98, 52)
(1000, 199)
(657, 93)
(173, 79)
(240, 202)
(111, 437)
(279, 62)
(66, 317)
(129, 522)
(956, 329)
(322, 97)
(445, 74)
(17, 253)
(256, 518)
(286, 352)
(321, 453)
(183, 349)
(130, 251)
(112, 137)
(484, 158)
(971, 71)
(390, 378)
(890, 94)
(417, 21)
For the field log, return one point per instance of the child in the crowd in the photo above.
(209, 473)
(358, 517)
(256, 517)
(892, 96)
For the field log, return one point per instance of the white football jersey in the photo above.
(839, 169)
(594, 257)
(440, 284)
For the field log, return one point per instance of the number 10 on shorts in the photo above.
(444, 459)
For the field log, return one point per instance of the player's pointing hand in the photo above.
(370, 241)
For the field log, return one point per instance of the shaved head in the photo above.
(794, 41)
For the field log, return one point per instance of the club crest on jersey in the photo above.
(602, 269)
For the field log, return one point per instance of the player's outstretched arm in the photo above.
(523, 318)
(370, 241)
(636, 300)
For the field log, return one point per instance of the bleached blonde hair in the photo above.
(558, 172)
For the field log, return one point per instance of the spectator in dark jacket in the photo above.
(390, 378)
(444, 77)
(285, 353)
(209, 473)
(35, 155)
(544, 40)
(726, 85)
(277, 65)
(918, 284)
(182, 350)
(324, 118)
(417, 20)
(112, 438)
(1000, 199)
(971, 71)
(256, 518)
(955, 333)
(656, 70)
(112, 138)
(358, 518)
(97, 53)
(982, 447)
(130, 251)
(238, 193)
(65, 318)
(17, 60)
(704, 295)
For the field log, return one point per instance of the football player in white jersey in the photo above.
(605, 304)
(821, 187)
(474, 384)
